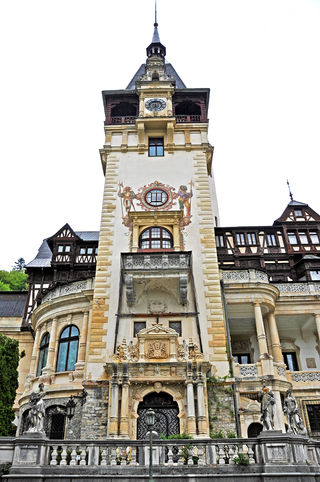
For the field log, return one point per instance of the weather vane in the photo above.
(290, 193)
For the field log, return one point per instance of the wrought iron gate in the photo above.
(167, 420)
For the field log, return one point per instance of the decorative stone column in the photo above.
(83, 342)
(124, 415)
(317, 320)
(35, 351)
(52, 348)
(275, 340)
(113, 423)
(261, 334)
(202, 422)
(191, 414)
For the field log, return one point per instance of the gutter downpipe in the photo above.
(235, 402)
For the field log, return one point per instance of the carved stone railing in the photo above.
(248, 370)
(303, 288)
(188, 456)
(307, 377)
(245, 276)
(156, 261)
(68, 289)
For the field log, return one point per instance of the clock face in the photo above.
(155, 104)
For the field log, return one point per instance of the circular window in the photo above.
(156, 197)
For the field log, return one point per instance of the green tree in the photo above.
(19, 265)
(15, 280)
(9, 361)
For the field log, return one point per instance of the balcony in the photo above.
(127, 119)
(188, 118)
(167, 266)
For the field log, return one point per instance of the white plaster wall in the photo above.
(137, 170)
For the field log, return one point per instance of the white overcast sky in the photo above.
(260, 59)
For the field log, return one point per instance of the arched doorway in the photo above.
(254, 429)
(166, 409)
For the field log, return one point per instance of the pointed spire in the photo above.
(290, 193)
(156, 48)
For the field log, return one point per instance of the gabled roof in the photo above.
(288, 215)
(44, 255)
(169, 70)
(12, 303)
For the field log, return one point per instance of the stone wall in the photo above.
(94, 416)
(221, 408)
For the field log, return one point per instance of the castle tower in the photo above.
(157, 328)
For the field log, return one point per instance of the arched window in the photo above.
(43, 353)
(155, 238)
(68, 349)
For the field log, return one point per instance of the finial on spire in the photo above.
(290, 193)
(155, 14)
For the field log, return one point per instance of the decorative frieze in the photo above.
(69, 289)
(245, 276)
(248, 370)
(305, 377)
(308, 288)
(147, 262)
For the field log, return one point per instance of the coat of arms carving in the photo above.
(157, 349)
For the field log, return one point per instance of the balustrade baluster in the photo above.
(170, 455)
(82, 456)
(221, 455)
(251, 454)
(103, 457)
(113, 456)
(123, 454)
(232, 449)
(54, 455)
(73, 460)
(133, 456)
(64, 455)
(180, 455)
(190, 455)
(201, 455)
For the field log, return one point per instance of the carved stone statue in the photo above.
(267, 400)
(292, 411)
(35, 418)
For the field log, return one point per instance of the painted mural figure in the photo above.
(184, 198)
(36, 415)
(267, 400)
(291, 409)
(127, 196)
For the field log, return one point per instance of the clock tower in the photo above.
(157, 329)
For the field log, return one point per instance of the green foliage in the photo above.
(221, 434)
(15, 280)
(241, 459)
(9, 361)
(4, 469)
(179, 436)
(19, 265)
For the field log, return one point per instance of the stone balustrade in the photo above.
(245, 276)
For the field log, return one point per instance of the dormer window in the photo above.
(298, 213)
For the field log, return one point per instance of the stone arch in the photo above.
(157, 388)
(254, 429)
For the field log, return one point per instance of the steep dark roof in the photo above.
(12, 303)
(44, 255)
(169, 69)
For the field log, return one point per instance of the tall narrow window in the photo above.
(175, 325)
(290, 359)
(271, 240)
(241, 240)
(68, 349)
(252, 238)
(43, 353)
(313, 411)
(219, 241)
(156, 146)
